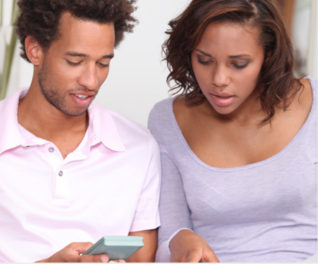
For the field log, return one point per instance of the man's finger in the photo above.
(93, 258)
(118, 260)
(81, 247)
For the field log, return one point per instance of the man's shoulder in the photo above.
(125, 124)
(127, 129)
(10, 103)
(14, 96)
(4, 103)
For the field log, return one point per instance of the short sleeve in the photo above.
(147, 213)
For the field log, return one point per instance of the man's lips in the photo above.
(82, 99)
(84, 93)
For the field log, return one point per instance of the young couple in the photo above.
(235, 154)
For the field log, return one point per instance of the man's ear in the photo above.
(33, 50)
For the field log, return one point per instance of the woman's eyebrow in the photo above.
(231, 56)
(204, 53)
(238, 56)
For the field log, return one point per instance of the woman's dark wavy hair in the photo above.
(276, 82)
(41, 18)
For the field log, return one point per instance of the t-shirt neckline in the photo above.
(252, 165)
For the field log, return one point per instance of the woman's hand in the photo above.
(187, 246)
(72, 253)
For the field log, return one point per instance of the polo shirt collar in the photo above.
(102, 127)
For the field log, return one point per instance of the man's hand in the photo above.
(187, 246)
(72, 253)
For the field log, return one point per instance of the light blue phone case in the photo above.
(116, 247)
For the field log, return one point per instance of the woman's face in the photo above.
(227, 63)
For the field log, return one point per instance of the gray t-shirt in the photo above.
(261, 212)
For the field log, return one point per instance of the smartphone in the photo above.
(116, 247)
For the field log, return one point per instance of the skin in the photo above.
(228, 60)
(76, 63)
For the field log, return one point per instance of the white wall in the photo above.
(313, 42)
(137, 77)
(304, 36)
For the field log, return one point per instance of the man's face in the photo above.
(76, 65)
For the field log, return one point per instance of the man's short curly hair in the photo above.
(41, 18)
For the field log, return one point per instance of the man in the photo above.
(71, 171)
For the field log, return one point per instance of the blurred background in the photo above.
(137, 78)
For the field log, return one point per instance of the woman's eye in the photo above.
(73, 63)
(240, 65)
(204, 62)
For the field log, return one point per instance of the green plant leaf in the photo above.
(1, 13)
(9, 53)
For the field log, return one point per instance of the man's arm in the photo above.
(72, 253)
(148, 251)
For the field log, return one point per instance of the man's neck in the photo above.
(45, 121)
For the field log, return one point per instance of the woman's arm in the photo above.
(175, 214)
(173, 207)
(185, 245)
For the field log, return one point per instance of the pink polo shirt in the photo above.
(108, 186)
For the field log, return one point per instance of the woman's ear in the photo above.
(33, 50)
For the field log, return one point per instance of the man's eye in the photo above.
(73, 63)
(104, 65)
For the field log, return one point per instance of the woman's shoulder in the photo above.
(161, 116)
(305, 98)
(162, 123)
(161, 110)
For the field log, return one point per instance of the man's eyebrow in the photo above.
(76, 54)
(110, 56)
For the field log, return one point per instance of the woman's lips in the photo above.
(222, 99)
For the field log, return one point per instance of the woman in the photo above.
(239, 146)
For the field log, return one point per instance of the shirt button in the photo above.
(61, 173)
(51, 149)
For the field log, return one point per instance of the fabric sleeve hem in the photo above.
(145, 225)
(173, 235)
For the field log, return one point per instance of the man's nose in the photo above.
(89, 78)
